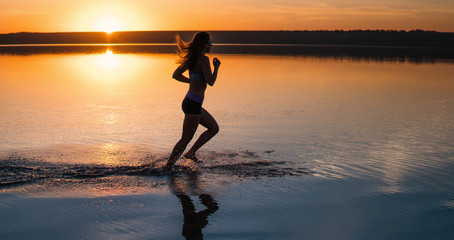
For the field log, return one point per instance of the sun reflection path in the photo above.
(110, 119)
(111, 154)
(108, 61)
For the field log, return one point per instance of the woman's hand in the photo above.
(216, 62)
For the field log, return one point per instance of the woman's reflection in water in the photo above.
(193, 221)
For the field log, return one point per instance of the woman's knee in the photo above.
(214, 130)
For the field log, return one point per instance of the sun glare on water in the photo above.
(108, 23)
(108, 61)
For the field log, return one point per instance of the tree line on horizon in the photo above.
(378, 37)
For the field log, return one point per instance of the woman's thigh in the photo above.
(190, 124)
(208, 121)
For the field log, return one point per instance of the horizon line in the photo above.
(318, 30)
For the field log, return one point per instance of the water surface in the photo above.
(310, 147)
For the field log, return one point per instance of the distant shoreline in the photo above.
(370, 38)
(214, 44)
(375, 53)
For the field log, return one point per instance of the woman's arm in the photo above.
(178, 74)
(206, 68)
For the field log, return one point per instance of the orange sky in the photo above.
(131, 15)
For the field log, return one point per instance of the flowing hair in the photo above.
(190, 52)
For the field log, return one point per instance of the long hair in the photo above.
(190, 52)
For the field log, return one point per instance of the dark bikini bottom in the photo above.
(192, 104)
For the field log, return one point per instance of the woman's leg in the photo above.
(190, 124)
(212, 129)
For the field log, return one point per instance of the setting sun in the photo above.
(108, 23)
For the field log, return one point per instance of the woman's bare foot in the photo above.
(192, 157)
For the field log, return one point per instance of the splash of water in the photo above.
(241, 164)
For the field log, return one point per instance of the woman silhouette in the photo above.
(193, 59)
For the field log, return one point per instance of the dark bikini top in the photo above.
(196, 76)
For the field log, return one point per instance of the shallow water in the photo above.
(309, 148)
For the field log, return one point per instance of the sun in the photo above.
(108, 23)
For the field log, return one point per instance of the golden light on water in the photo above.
(111, 154)
(110, 119)
(108, 61)
(106, 67)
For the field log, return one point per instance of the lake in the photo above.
(311, 146)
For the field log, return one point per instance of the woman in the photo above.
(193, 59)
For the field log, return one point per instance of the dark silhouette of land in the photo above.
(415, 38)
(376, 45)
